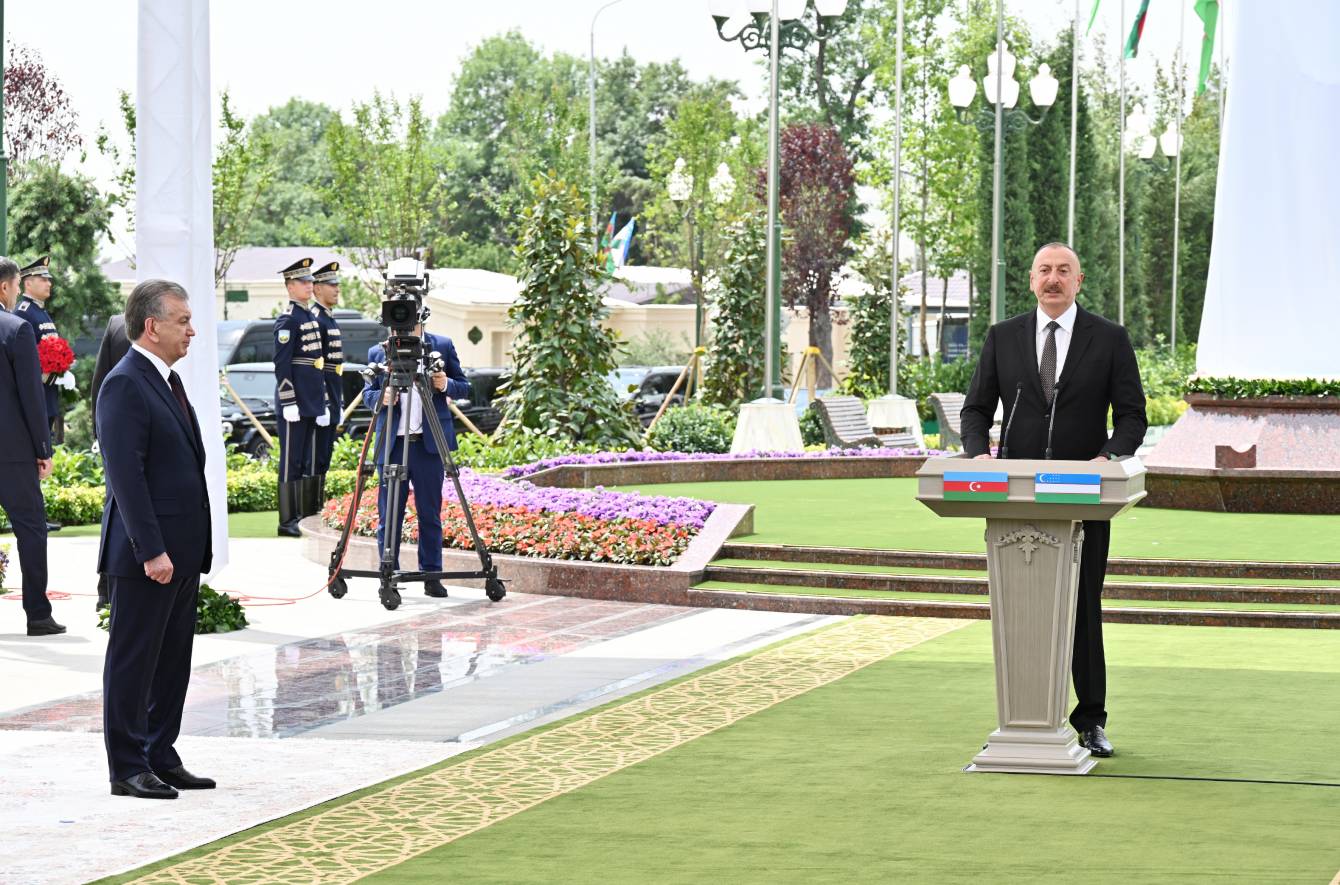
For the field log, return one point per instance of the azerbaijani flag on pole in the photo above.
(1068, 488)
(1208, 10)
(1137, 30)
(976, 486)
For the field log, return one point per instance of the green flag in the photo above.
(1093, 16)
(1137, 30)
(1208, 10)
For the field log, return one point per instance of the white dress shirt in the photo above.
(413, 415)
(1067, 323)
(162, 367)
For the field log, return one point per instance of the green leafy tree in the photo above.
(734, 370)
(868, 342)
(562, 355)
(294, 210)
(121, 194)
(66, 217)
(384, 183)
(243, 168)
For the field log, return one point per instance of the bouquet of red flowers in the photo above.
(55, 355)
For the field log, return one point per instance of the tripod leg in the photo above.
(493, 587)
(392, 482)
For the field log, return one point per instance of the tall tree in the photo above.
(734, 371)
(294, 210)
(40, 123)
(562, 355)
(384, 182)
(817, 190)
(242, 171)
(121, 193)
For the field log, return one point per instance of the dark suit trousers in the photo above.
(21, 496)
(147, 670)
(1087, 665)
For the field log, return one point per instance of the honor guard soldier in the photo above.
(300, 395)
(326, 293)
(35, 280)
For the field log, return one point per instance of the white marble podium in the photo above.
(1034, 535)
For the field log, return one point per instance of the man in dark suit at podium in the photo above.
(1057, 369)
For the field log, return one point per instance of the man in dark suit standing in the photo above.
(1065, 365)
(155, 545)
(114, 346)
(25, 451)
(426, 472)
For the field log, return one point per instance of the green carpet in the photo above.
(860, 781)
(884, 514)
(981, 573)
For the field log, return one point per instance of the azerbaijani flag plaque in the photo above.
(973, 485)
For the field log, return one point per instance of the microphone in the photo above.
(1056, 395)
(1009, 421)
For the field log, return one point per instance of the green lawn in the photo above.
(861, 781)
(884, 514)
(240, 525)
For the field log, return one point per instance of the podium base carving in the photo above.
(1034, 751)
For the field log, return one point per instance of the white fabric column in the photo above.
(174, 206)
(1272, 301)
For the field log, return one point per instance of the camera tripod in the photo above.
(405, 372)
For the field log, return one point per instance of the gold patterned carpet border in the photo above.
(446, 803)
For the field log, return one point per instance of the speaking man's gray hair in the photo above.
(149, 299)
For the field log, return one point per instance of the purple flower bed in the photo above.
(632, 456)
(597, 502)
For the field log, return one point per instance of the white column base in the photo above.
(1034, 751)
(896, 413)
(767, 425)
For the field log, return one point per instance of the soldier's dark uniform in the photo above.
(31, 311)
(332, 351)
(300, 397)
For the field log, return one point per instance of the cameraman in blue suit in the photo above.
(426, 473)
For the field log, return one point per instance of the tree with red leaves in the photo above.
(817, 197)
(39, 121)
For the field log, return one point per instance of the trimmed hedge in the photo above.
(694, 428)
(1251, 388)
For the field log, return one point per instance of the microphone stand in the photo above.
(1051, 423)
(1009, 422)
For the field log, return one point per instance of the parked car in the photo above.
(654, 387)
(253, 341)
(255, 384)
(479, 406)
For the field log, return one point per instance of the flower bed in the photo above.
(517, 517)
(633, 456)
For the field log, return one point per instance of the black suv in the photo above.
(253, 341)
(650, 391)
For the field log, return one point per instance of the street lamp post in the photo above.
(679, 185)
(1001, 90)
(775, 26)
(1170, 143)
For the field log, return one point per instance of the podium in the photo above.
(1034, 535)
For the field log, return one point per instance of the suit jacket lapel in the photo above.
(1079, 344)
(1028, 350)
(159, 386)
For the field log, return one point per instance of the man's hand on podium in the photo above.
(986, 455)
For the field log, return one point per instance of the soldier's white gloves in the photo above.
(323, 420)
(291, 414)
(66, 381)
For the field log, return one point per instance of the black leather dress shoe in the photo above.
(1095, 740)
(53, 527)
(182, 779)
(45, 627)
(434, 589)
(144, 785)
(103, 603)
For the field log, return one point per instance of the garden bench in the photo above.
(846, 425)
(948, 412)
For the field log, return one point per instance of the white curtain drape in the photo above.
(174, 206)
(1272, 300)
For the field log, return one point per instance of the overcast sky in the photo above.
(338, 51)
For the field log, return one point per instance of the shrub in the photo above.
(694, 428)
(1162, 410)
(812, 427)
(345, 454)
(1246, 388)
(74, 505)
(79, 425)
(250, 491)
(1164, 372)
(517, 446)
(215, 612)
(74, 467)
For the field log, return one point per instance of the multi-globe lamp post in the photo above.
(679, 185)
(1001, 90)
(775, 26)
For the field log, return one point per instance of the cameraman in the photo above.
(425, 465)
